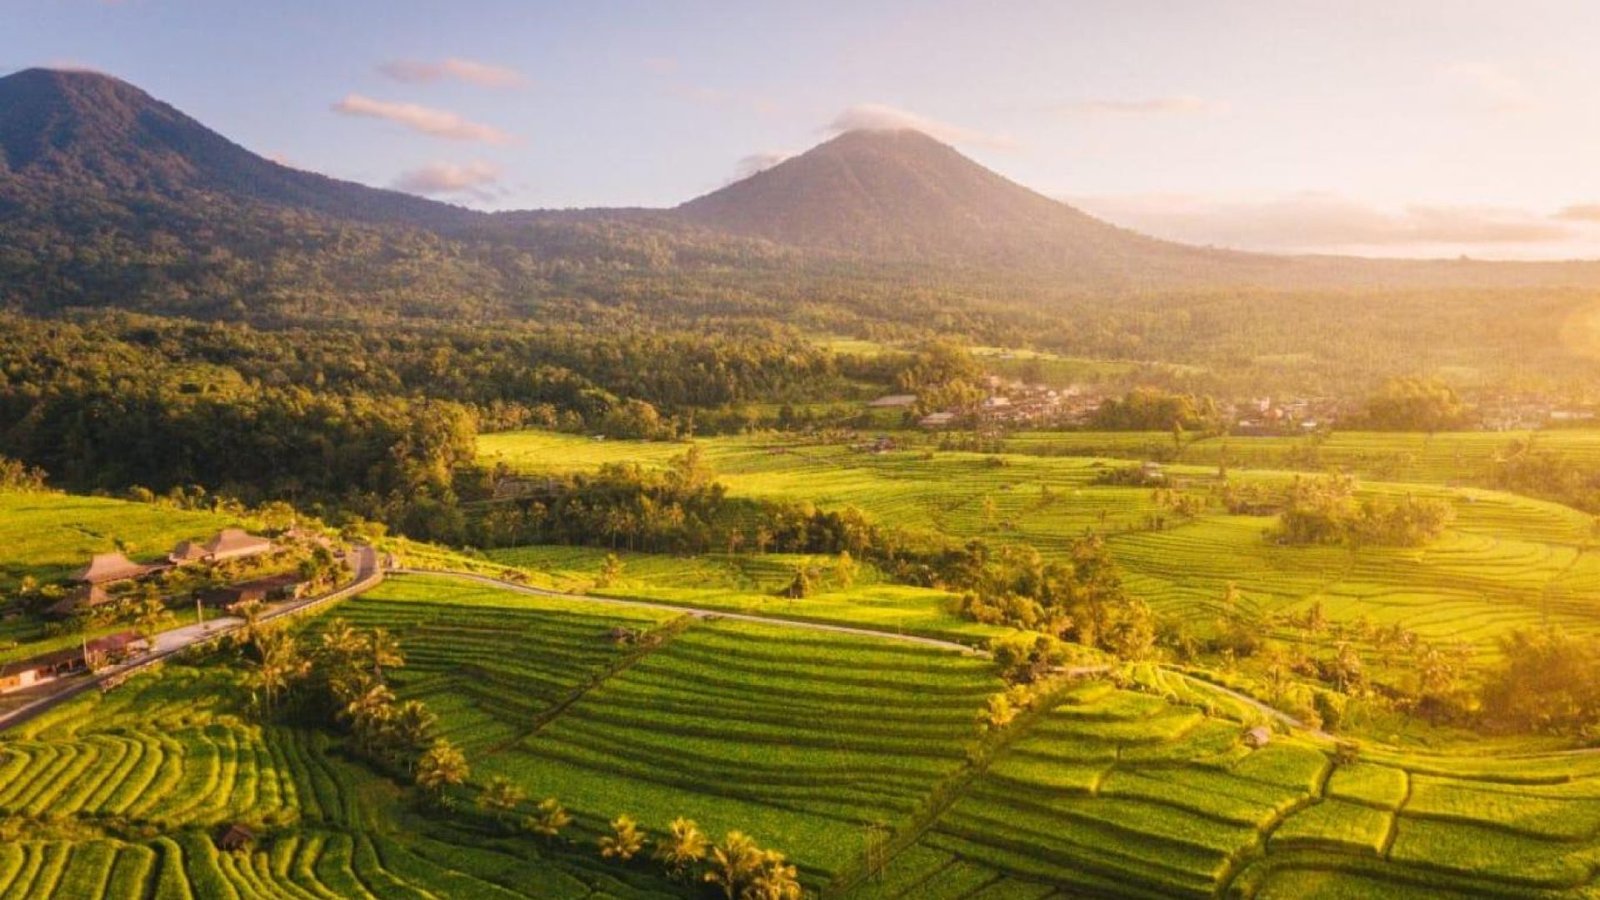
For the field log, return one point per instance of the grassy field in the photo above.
(1506, 561)
(748, 583)
(1443, 458)
(46, 536)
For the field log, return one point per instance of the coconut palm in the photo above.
(734, 862)
(413, 725)
(550, 818)
(500, 798)
(774, 879)
(383, 650)
(625, 841)
(440, 767)
(682, 846)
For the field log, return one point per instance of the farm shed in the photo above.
(83, 597)
(106, 568)
(893, 401)
(1258, 737)
(235, 837)
(260, 590)
(235, 543)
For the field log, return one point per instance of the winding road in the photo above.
(368, 575)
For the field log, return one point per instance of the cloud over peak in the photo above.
(436, 122)
(416, 71)
(878, 117)
(472, 179)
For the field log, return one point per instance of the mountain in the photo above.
(900, 194)
(73, 131)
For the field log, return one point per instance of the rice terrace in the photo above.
(892, 451)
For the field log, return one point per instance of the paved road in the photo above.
(368, 575)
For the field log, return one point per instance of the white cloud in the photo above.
(413, 71)
(1312, 222)
(1582, 212)
(437, 122)
(1152, 106)
(442, 178)
(1489, 87)
(878, 117)
(756, 163)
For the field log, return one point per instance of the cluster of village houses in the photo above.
(1021, 404)
(92, 587)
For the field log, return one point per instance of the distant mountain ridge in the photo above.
(98, 180)
(903, 193)
(93, 132)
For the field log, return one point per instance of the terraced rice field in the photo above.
(804, 739)
(120, 796)
(748, 583)
(1443, 458)
(1507, 561)
(1125, 794)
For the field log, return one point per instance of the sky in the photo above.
(1397, 128)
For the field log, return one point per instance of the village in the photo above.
(234, 572)
(1012, 403)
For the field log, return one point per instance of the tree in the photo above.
(383, 649)
(684, 845)
(548, 819)
(441, 767)
(733, 864)
(413, 725)
(802, 585)
(501, 798)
(844, 571)
(610, 571)
(152, 616)
(280, 666)
(625, 840)
(774, 879)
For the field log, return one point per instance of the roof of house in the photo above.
(1258, 736)
(235, 836)
(112, 643)
(88, 595)
(43, 661)
(187, 551)
(889, 400)
(107, 567)
(235, 540)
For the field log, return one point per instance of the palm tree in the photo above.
(370, 713)
(683, 846)
(625, 840)
(250, 632)
(151, 616)
(413, 726)
(550, 818)
(501, 798)
(774, 880)
(440, 767)
(384, 649)
(734, 863)
(281, 665)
